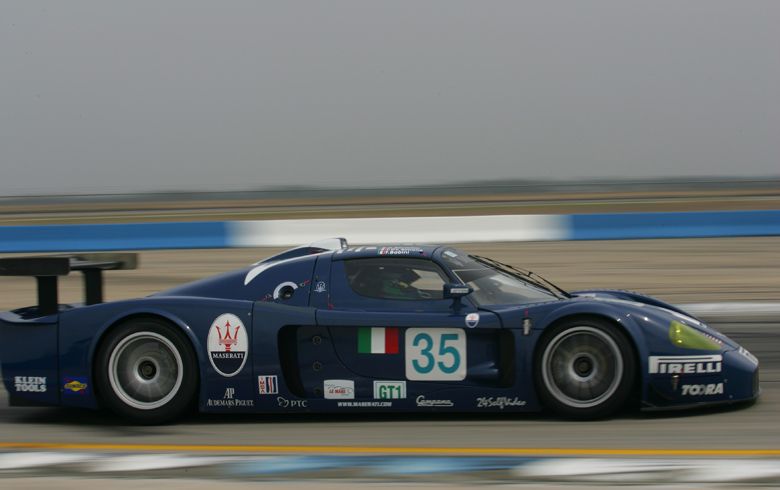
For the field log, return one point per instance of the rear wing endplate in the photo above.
(47, 268)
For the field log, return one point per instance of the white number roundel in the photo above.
(435, 354)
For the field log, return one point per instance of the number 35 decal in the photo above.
(435, 354)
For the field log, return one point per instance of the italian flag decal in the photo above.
(377, 340)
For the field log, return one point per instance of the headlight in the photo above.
(687, 337)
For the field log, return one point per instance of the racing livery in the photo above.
(333, 328)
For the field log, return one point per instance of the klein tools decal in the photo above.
(30, 384)
(377, 340)
(228, 345)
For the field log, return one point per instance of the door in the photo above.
(392, 332)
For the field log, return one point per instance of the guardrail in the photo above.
(436, 229)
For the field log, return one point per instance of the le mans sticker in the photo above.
(228, 345)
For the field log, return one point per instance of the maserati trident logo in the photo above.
(227, 344)
(227, 339)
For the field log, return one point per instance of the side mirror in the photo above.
(456, 291)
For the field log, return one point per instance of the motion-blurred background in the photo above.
(194, 111)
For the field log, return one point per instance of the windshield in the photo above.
(493, 286)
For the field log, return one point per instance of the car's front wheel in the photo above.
(584, 369)
(145, 371)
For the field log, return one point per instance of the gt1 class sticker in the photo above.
(30, 384)
(268, 385)
(227, 345)
(472, 320)
(338, 389)
(435, 354)
(74, 385)
(421, 401)
(499, 402)
(320, 287)
(702, 390)
(390, 390)
(228, 400)
(685, 364)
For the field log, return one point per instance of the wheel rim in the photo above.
(582, 367)
(145, 370)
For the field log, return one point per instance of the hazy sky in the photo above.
(113, 96)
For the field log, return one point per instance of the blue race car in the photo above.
(385, 328)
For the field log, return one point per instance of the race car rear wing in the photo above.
(47, 268)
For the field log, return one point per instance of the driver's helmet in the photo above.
(397, 282)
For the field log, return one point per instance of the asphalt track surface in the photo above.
(676, 270)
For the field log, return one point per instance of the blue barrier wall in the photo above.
(129, 236)
(674, 225)
(224, 234)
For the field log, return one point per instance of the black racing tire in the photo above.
(146, 371)
(584, 369)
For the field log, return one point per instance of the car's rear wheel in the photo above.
(584, 369)
(146, 372)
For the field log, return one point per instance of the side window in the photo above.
(395, 279)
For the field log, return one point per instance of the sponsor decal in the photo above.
(75, 386)
(421, 401)
(400, 250)
(320, 287)
(685, 364)
(229, 401)
(450, 253)
(747, 354)
(227, 345)
(499, 402)
(702, 390)
(365, 404)
(390, 390)
(287, 403)
(377, 340)
(338, 389)
(268, 385)
(435, 354)
(30, 384)
(472, 320)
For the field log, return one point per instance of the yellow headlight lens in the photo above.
(687, 337)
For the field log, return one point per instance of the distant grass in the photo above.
(113, 212)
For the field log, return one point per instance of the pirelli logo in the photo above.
(686, 364)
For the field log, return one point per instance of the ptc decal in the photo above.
(228, 345)
(472, 320)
